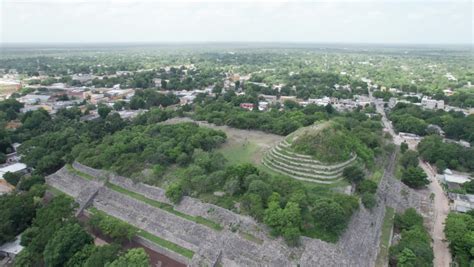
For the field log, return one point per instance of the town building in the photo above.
(454, 180)
(33, 99)
(13, 168)
(248, 106)
(429, 103)
(461, 202)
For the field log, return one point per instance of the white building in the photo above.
(461, 202)
(33, 99)
(13, 168)
(429, 103)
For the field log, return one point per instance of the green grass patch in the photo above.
(56, 192)
(71, 169)
(251, 237)
(167, 244)
(164, 206)
(317, 233)
(153, 238)
(382, 256)
(376, 176)
(239, 153)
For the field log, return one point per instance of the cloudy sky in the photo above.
(382, 21)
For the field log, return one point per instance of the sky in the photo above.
(345, 21)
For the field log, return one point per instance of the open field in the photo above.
(387, 225)
(242, 146)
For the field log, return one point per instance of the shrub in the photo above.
(367, 186)
(368, 200)
(174, 192)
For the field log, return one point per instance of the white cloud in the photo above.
(271, 21)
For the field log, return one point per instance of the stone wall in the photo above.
(66, 182)
(206, 242)
(358, 246)
(86, 169)
(194, 207)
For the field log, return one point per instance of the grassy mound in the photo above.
(328, 143)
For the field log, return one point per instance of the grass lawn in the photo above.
(382, 256)
(71, 169)
(153, 238)
(239, 153)
(167, 207)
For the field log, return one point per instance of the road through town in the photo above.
(442, 255)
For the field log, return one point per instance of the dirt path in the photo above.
(442, 255)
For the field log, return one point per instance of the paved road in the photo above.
(442, 255)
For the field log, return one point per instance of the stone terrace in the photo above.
(358, 246)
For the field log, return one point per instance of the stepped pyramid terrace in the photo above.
(325, 166)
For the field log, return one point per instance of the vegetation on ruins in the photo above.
(134, 148)
(182, 157)
(331, 144)
(414, 247)
(459, 232)
(113, 228)
(55, 238)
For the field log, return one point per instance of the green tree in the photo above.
(12, 178)
(114, 228)
(103, 111)
(368, 200)
(415, 177)
(403, 147)
(65, 243)
(329, 215)
(174, 192)
(409, 159)
(409, 219)
(136, 257)
(459, 232)
(367, 186)
(353, 174)
(406, 258)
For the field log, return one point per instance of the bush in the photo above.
(409, 219)
(114, 228)
(27, 182)
(409, 159)
(353, 174)
(12, 178)
(175, 192)
(403, 147)
(367, 186)
(368, 200)
(459, 232)
(414, 247)
(441, 165)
